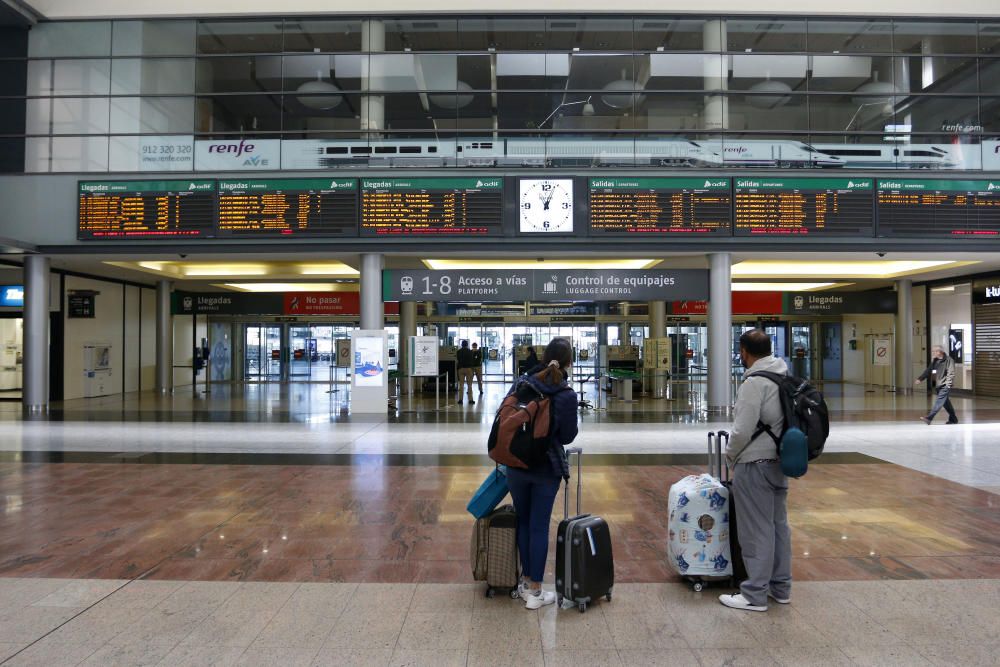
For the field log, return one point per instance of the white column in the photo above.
(658, 329)
(164, 338)
(407, 328)
(372, 311)
(715, 68)
(35, 381)
(904, 336)
(372, 106)
(720, 332)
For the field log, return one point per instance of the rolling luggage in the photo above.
(494, 551)
(585, 565)
(702, 544)
(489, 494)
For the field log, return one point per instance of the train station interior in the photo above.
(243, 251)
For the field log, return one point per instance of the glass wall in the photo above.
(951, 328)
(650, 91)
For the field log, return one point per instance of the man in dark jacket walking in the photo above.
(941, 374)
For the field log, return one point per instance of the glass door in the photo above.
(11, 353)
(262, 352)
(801, 350)
(303, 352)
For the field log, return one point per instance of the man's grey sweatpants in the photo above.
(762, 526)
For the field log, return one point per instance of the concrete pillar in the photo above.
(658, 329)
(904, 336)
(164, 338)
(372, 311)
(720, 332)
(35, 381)
(407, 328)
(372, 106)
(715, 74)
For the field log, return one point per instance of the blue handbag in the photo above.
(493, 490)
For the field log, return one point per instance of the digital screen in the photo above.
(803, 207)
(939, 208)
(432, 206)
(146, 209)
(289, 207)
(660, 206)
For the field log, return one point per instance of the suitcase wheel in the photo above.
(698, 586)
(514, 594)
(608, 596)
(583, 607)
(490, 592)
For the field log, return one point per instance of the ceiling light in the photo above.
(452, 264)
(220, 270)
(289, 287)
(785, 287)
(839, 269)
(327, 269)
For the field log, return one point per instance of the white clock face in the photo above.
(546, 205)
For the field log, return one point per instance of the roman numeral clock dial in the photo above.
(546, 205)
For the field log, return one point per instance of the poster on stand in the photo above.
(424, 356)
(369, 359)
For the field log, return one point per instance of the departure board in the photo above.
(661, 206)
(145, 209)
(770, 206)
(431, 206)
(939, 208)
(289, 207)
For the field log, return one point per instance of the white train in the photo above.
(574, 152)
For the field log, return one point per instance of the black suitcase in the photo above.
(722, 470)
(585, 565)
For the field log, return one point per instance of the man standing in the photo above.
(465, 364)
(477, 365)
(941, 373)
(759, 486)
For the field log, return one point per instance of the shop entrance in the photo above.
(11, 353)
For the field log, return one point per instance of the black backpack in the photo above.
(803, 407)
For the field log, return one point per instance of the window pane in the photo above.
(851, 113)
(67, 115)
(325, 36)
(848, 73)
(83, 38)
(69, 77)
(674, 111)
(428, 33)
(13, 42)
(989, 37)
(342, 71)
(934, 37)
(474, 112)
(502, 34)
(586, 34)
(768, 111)
(239, 74)
(152, 115)
(11, 155)
(958, 115)
(597, 71)
(310, 113)
(685, 71)
(654, 33)
(152, 76)
(989, 110)
(770, 74)
(936, 74)
(857, 36)
(239, 113)
(412, 71)
(239, 36)
(151, 153)
(12, 112)
(153, 38)
(765, 34)
(989, 76)
(529, 71)
(63, 154)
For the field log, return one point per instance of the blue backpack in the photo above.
(807, 423)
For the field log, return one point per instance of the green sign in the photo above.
(279, 185)
(117, 187)
(491, 183)
(660, 183)
(941, 185)
(770, 183)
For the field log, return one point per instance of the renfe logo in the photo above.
(231, 149)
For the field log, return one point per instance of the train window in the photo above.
(336, 150)
(853, 152)
(385, 149)
(921, 154)
(361, 149)
(432, 149)
(486, 144)
(409, 149)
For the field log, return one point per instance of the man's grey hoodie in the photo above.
(757, 400)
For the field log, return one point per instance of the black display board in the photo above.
(778, 206)
(146, 209)
(660, 206)
(288, 207)
(432, 206)
(939, 208)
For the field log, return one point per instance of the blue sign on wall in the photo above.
(12, 296)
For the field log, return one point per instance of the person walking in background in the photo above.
(760, 486)
(941, 374)
(534, 490)
(465, 364)
(477, 365)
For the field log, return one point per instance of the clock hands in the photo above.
(547, 200)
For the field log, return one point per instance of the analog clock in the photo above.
(546, 205)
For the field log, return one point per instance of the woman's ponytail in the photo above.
(557, 358)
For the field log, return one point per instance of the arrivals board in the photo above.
(432, 206)
(660, 206)
(288, 207)
(939, 208)
(145, 209)
(776, 206)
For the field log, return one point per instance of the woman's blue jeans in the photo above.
(534, 494)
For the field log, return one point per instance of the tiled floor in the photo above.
(79, 622)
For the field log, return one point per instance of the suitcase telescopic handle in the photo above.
(723, 464)
(716, 455)
(579, 481)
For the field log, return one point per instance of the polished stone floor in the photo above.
(267, 525)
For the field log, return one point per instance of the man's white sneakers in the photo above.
(737, 602)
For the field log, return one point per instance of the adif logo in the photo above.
(715, 184)
(799, 302)
(487, 184)
(991, 186)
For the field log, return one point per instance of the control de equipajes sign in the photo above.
(541, 285)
